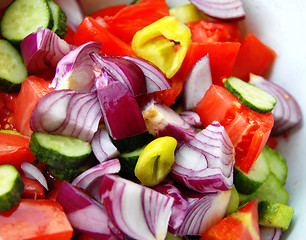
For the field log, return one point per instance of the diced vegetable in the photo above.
(32, 172)
(59, 19)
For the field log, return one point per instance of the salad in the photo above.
(139, 121)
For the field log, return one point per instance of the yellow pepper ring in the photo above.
(158, 41)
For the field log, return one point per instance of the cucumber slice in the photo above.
(272, 214)
(60, 152)
(233, 203)
(278, 164)
(271, 190)
(250, 95)
(258, 174)
(12, 70)
(11, 187)
(23, 17)
(59, 19)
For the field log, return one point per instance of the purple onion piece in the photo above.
(42, 50)
(32, 172)
(180, 204)
(85, 214)
(121, 112)
(67, 113)
(75, 70)
(270, 233)
(205, 164)
(191, 118)
(73, 11)
(287, 112)
(161, 121)
(204, 211)
(138, 211)
(223, 10)
(197, 82)
(103, 147)
(155, 79)
(123, 70)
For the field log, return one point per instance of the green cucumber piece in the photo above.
(11, 187)
(59, 19)
(258, 174)
(23, 17)
(250, 95)
(278, 164)
(270, 190)
(128, 162)
(60, 152)
(272, 214)
(13, 70)
(233, 203)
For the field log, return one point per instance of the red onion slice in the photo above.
(138, 211)
(197, 82)
(32, 172)
(121, 112)
(85, 214)
(75, 70)
(155, 79)
(204, 211)
(191, 118)
(124, 70)
(161, 121)
(221, 9)
(287, 112)
(42, 50)
(103, 147)
(73, 11)
(205, 164)
(67, 113)
(270, 233)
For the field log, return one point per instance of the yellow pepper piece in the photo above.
(164, 43)
(155, 161)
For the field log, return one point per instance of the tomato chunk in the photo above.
(248, 130)
(253, 57)
(32, 188)
(108, 11)
(35, 219)
(14, 149)
(32, 89)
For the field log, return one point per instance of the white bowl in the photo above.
(280, 25)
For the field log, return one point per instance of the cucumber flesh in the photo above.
(272, 214)
(12, 68)
(23, 17)
(233, 203)
(258, 174)
(11, 187)
(60, 152)
(250, 95)
(59, 19)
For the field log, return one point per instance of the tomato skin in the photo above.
(32, 188)
(90, 30)
(214, 31)
(222, 56)
(14, 149)
(8, 100)
(32, 89)
(253, 57)
(35, 219)
(134, 17)
(248, 130)
(69, 37)
(239, 225)
(108, 11)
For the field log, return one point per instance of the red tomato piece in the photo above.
(253, 57)
(91, 30)
(14, 149)
(248, 130)
(108, 11)
(32, 188)
(6, 119)
(69, 37)
(35, 219)
(239, 225)
(8, 100)
(222, 56)
(32, 89)
(214, 31)
(135, 17)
